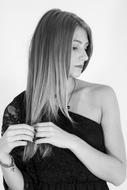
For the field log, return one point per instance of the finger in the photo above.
(21, 137)
(43, 134)
(21, 126)
(43, 128)
(43, 140)
(44, 124)
(14, 132)
(18, 143)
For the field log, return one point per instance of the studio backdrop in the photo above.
(108, 65)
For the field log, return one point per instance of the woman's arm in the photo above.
(110, 167)
(24, 175)
(12, 176)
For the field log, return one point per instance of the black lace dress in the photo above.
(62, 170)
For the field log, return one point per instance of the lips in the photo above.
(80, 66)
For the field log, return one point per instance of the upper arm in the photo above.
(11, 116)
(13, 113)
(111, 124)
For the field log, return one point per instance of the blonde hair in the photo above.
(48, 70)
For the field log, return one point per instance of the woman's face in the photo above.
(78, 53)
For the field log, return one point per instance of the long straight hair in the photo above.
(48, 71)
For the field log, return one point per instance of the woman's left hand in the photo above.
(48, 132)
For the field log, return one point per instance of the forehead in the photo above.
(80, 34)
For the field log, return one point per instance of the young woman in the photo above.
(62, 133)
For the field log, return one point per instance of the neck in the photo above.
(70, 85)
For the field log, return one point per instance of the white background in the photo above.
(108, 65)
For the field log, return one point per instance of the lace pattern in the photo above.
(11, 116)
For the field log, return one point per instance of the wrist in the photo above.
(6, 158)
(74, 143)
(9, 164)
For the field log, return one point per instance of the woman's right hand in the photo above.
(16, 135)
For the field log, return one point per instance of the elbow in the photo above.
(121, 177)
(120, 181)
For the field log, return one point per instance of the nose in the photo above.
(84, 56)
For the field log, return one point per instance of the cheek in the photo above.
(74, 58)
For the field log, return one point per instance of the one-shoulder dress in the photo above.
(62, 170)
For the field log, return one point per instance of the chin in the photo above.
(76, 75)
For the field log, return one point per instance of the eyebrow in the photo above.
(87, 43)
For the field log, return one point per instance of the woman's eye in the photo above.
(74, 47)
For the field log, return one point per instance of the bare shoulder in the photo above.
(98, 91)
(105, 94)
(98, 95)
(99, 100)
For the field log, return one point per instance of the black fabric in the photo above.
(62, 170)
(14, 114)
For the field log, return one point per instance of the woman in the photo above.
(62, 133)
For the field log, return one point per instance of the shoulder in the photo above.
(16, 105)
(99, 91)
(104, 97)
(103, 91)
(99, 94)
(20, 97)
(14, 112)
(105, 94)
